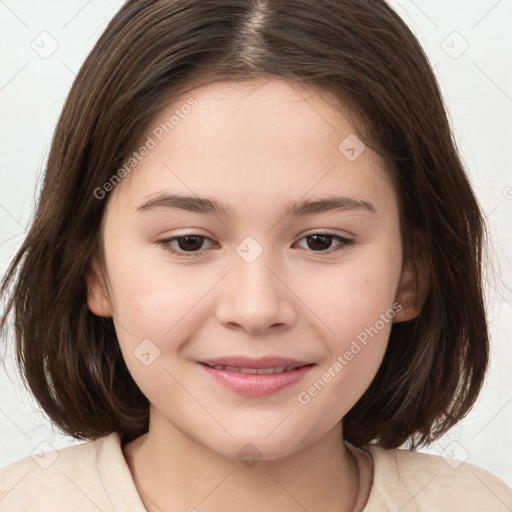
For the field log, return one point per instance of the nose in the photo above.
(255, 298)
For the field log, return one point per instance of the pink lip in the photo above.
(248, 362)
(252, 385)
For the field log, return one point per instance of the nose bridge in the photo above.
(252, 296)
(255, 278)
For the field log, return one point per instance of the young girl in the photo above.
(254, 270)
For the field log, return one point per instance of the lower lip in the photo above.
(250, 384)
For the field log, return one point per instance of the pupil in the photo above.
(320, 242)
(190, 243)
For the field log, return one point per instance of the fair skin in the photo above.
(254, 147)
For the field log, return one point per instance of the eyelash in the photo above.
(166, 244)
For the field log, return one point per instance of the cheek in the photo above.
(157, 313)
(156, 300)
(354, 298)
(151, 303)
(359, 324)
(355, 351)
(356, 306)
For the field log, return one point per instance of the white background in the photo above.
(477, 86)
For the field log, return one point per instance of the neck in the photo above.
(173, 472)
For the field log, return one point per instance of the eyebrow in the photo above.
(209, 206)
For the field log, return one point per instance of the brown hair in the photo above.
(153, 50)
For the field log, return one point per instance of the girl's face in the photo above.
(290, 249)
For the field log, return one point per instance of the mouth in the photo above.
(256, 371)
(256, 377)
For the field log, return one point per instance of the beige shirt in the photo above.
(94, 476)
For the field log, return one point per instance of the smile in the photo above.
(259, 371)
(255, 382)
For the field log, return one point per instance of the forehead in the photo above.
(262, 108)
(251, 140)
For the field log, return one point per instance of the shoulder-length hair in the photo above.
(153, 50)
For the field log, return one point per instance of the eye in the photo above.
(193, 245)
(187, 245)
(321, 242)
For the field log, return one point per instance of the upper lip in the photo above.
(261, 362)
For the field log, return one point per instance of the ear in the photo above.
(98, 299)
(414, 283)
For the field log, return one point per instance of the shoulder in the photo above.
(413, 481)
(61, 480)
